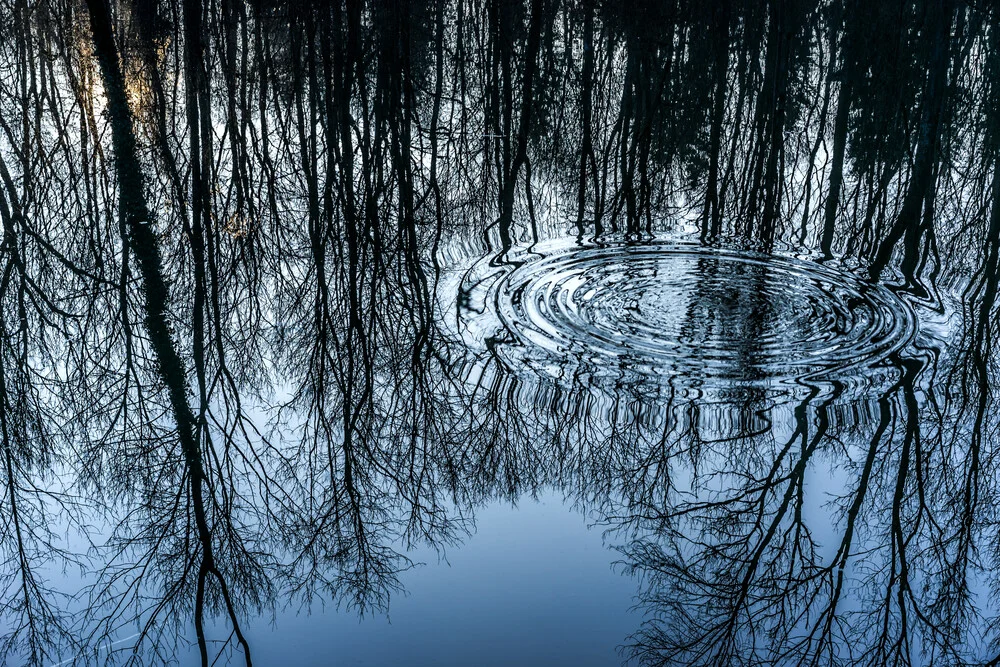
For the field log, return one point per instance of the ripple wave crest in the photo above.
(698, 312)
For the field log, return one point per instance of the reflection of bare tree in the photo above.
(33, 500)
(736, 573)
(217, 212)
(218, 555)
(717, 602)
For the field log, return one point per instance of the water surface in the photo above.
(499, 333)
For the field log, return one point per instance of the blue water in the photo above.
(534, 585)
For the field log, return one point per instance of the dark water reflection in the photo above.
(449, 333)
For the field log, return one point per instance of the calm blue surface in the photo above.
(533, 586)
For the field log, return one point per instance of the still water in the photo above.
(496, 332)
(550, 597)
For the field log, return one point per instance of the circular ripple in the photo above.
(699, 312)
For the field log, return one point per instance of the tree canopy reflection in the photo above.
(243, 242)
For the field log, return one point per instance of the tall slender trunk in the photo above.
(520, 149)
(711, 224)
(908, 222)
(194, 85)
(836, 164)
(587, 112)
(846, 75)
(135, 225)
(783, 28)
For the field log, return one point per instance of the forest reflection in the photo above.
(291, 288)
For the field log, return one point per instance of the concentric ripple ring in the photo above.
(690, 310)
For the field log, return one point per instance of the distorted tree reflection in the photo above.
(232, 366)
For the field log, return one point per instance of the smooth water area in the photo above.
(551, 596)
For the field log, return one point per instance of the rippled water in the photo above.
(697, 314)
